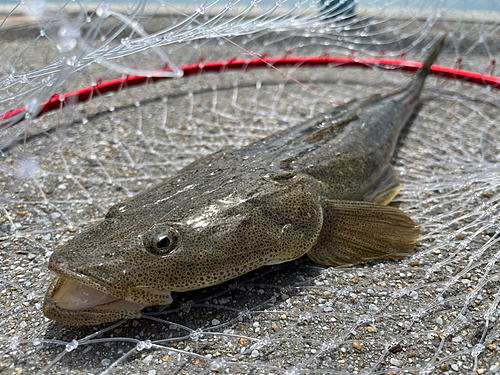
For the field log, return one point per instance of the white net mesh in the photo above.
(435, 312)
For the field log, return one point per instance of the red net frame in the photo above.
(57, 101)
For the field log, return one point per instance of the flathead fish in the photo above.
(319, 188)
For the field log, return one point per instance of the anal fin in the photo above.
(387, 188)
(355, 232)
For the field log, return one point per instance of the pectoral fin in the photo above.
(355, 232)
(387, 188)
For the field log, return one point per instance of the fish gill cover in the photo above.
(435, 312)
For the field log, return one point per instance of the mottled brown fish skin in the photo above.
(318, 188)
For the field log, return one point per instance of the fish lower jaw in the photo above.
(73, 303)
(73, 295)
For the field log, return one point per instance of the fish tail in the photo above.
(426, 65)
(410, 92)
(417, 83)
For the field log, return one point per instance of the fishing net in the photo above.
(131, 92)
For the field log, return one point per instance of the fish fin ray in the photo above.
(278, 261)
(320, 134)
(371, 99)
(355, 232)
(387, 188)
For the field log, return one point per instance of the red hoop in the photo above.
(18, 115)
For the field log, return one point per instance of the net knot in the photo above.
(144, 345)
(71, 346)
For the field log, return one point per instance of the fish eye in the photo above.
(165, 242)
(160, 240)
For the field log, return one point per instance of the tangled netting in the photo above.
(435, 312)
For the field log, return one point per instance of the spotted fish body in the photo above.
(319, 188)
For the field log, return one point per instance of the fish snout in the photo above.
(109, 275)
(60, 260)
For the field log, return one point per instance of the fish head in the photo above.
(102, 274)
(146, 248)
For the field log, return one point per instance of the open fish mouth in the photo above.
(73, 295)
(75, 303)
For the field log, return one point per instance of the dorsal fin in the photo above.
(320, 134)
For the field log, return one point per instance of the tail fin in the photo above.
(426, 65)
(411, 91)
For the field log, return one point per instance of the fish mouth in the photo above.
(82, 301)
